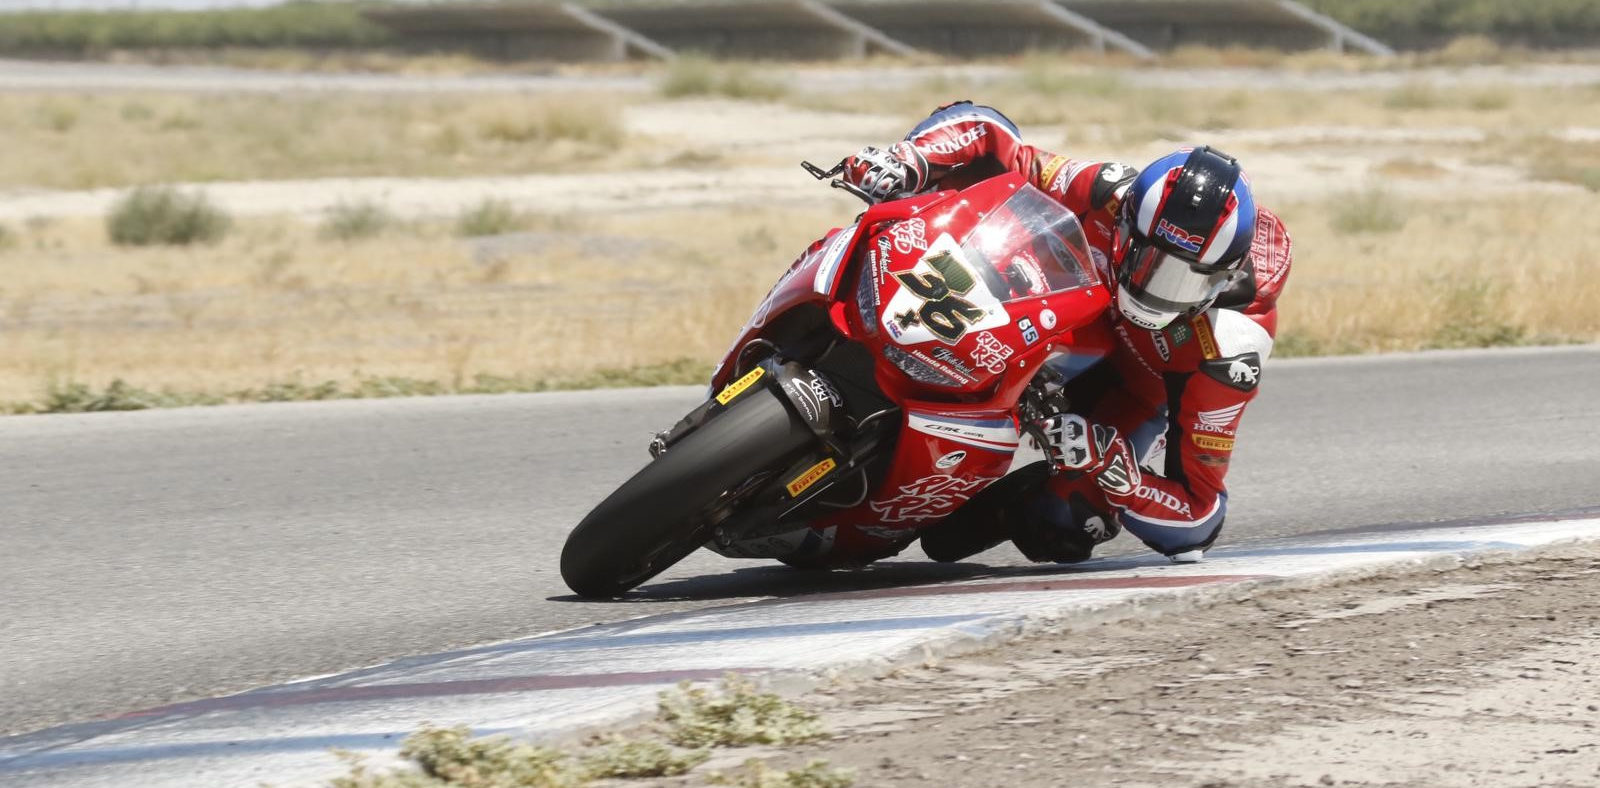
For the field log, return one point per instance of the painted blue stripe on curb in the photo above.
(112, 755)
(740, 633)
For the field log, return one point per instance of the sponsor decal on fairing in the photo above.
(953, 362)
(950, 460)
(928, 498)
(1030, 334)
(941, 298)
(831, 258)
(957, 372)
(910, 236)
(996, 435)
(990, 353)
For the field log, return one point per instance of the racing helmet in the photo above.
(1186, 227)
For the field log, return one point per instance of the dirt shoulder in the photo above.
(1483, 676)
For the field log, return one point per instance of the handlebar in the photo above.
(837, 183)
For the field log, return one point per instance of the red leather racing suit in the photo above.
(1178, 394)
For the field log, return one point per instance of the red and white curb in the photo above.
(557, 683)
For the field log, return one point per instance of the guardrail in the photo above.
(617, 29)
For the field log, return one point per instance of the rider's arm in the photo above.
(966, 135)
(963, 138)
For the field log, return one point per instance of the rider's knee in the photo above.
(1171, 537)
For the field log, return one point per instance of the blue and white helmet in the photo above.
(1187, 225)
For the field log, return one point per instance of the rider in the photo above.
(1198, 268)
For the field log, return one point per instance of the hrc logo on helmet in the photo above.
(1180, 237)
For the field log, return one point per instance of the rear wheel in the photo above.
(660, 516)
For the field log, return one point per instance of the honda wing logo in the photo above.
(1220, 420)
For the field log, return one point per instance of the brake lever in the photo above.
(838, 183)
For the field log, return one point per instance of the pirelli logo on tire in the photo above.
(812, 475)
(739, 386)
(1212, 442)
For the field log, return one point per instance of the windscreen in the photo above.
(1030, 246)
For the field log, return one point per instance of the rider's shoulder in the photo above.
(1237, 334)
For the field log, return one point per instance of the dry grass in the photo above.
(279, 307)
(81, 141)
(1461, 274)
(1093, 103)
(275, 302)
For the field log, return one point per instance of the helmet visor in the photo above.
(1166, 283)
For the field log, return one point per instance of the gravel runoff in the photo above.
(1478, 674)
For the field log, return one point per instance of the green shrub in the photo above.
(732, 715)
(353, 221)
(119, 395)
(619, 757)
(155, 215)
(447, 756)
(490, 217)
(756, 774)
(1474, 317)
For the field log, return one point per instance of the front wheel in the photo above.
(658, 517)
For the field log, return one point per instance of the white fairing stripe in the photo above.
(1148, 206)
(996, 438)
(968, 119)
(1222, 240)
(830, 260)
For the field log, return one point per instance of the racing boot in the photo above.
(1062, 531)
(985, 520)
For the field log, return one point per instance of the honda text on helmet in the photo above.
(1187, 224)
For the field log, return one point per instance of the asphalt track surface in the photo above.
(158, 556)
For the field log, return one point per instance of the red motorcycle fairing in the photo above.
(952, 346)
(813, 279)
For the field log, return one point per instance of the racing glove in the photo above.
(1073, 444)
(887, 174)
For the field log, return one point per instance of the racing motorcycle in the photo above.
(887, 377)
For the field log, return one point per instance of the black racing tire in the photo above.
(657, 518)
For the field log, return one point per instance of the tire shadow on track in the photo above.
(781, 582)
